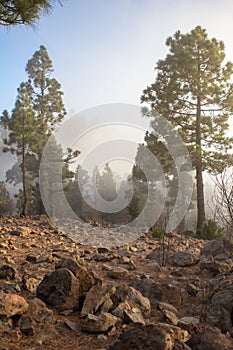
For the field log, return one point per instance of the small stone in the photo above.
(7, 272)
(71, 325)
(12, 304)
(100, 323)
(119, 273)
(26, 325)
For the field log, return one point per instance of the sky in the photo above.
(105, 51)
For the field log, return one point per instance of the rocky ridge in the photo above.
(145, 294)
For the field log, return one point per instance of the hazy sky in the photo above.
(104, 51)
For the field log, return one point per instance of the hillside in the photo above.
(58, 293)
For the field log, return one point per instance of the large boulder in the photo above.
(185, 258)
(60, 290)
(210, 339)
(159, 336)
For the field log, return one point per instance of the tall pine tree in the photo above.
(22, 128)
(193, 90)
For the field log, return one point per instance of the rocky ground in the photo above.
(56, 292)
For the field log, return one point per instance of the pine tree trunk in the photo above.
(25, 194)
(199, 177)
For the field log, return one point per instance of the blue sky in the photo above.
(104, 51)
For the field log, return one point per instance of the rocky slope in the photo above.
(56, 292)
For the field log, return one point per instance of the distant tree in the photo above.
(51, 177)
(6, 205)
(193, 90)
(107, 184)
(14, 12)
(75, 191)
(134, 205)
(22, 127)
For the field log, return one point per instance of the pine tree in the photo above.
(193, 90)
(22, 133)
(13, 12)
(38, 110)
(6, 204)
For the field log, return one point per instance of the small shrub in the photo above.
(211, 230)
(157, 233)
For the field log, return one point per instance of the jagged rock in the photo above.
(160, 292)
(7, 272)
(170, 316)
(134, 298)
(216, 266)
(69, 264)
(210, 339)
(119, 273)
(86, 281)
(107, 305)
(133, 315)
(60, 290)
(71, 325)
(97, 296)
(26, 325)
(167, 307)
(221, 307)
(12, 304)
(157, 336)
(81, 273)
(185, 258)
(216, 247)
(30, 283)
(38, 311)
(188, 320)
(100, 323)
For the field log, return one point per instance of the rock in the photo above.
(217, 267)
(170, 316)
(217, 246)
(12, 304)
(189, 321)
(86, 281)
(60, 290)
(7, 272)
(107, 305)
(134, 299)
(160, 292)
(26, 325)
(30, 283)
(119, 273)
(150, 337)
(38, 311)
(6, 324)
(184, 258)
(97, 296)
(71, 325)
(133, 315)
(69, 264)
(221, 306)
(100, 323)
(81, 273)
(167, 307)
(210, 339)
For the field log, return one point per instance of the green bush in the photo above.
(211, 230)
(157, 233)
